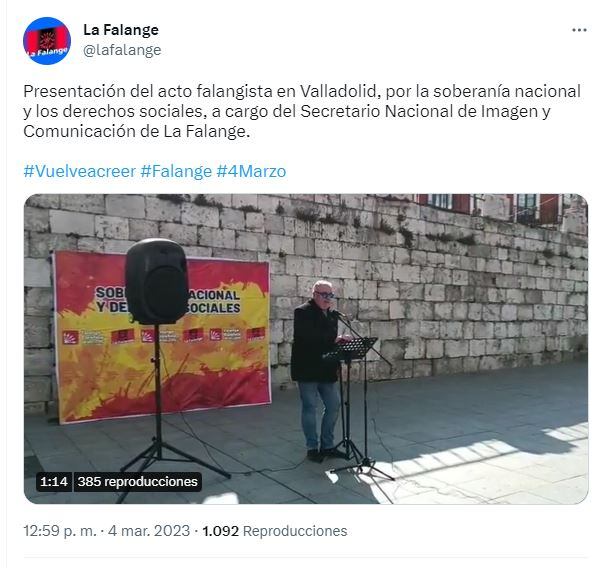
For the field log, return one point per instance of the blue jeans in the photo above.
(309, 395)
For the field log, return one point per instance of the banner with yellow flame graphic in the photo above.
(217, 355)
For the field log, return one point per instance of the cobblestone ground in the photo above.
(513, 436)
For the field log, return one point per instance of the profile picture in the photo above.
(46, 41)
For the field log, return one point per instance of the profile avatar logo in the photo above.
(46, 41)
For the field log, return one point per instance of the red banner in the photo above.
(217, 355)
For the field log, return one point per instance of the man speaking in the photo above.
(315, 334)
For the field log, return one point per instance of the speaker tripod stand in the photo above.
(155, 452)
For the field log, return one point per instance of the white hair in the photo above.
(321, 283)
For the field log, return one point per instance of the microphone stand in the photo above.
(365, 460)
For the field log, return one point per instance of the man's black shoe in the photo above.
(333, 453)
(314, 456)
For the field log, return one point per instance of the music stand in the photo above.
(357, 349)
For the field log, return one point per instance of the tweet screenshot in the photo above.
(293, 283)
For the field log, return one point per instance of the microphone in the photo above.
(340, 314)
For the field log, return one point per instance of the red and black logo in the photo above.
(46, 41)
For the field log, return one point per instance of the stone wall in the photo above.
(444, 292)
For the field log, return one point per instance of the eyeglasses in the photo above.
(326, 295)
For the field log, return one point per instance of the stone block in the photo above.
(370, 289)
(328, 249)
(422, 368)
(451, 330)
(542, 312)
(273, 224)
(39, 362)
(117, 246)
(491, 312)
(284, 353)
(490, 363)
(206, 216)
(276, 331)
(434, 293)
(415, 348)
(280, 375)
(106, 227)
(468, 329)
(197, 252)
(245, 200)
(460, 311)
(406, 273)
(442, 276)
(459, 277)
(429, 329)
(397, 310)
(531, 329)
(500, 346)
(382, 271)
(409, 291)
(402, 256)
(495, 295)
(475, 312)
(525, 312)
(384, 329)
(352, 289)
(457, 348)
(394, 349)
(160, 210)
(126, 206)
(38, 301)
(42, 245)
(434, 348)
(420, 311)
(36, 219)
(500, 330)
(355, 251)
(90, 244)
(83, 202)
(37, 273)
(43, 201)
(427, 274)
(514, 296)
(374, 310)
(387, 291)
(530, 344)
(139, 229)
(477, 347)
(37, 331)
(509, 312)
(254, 221)
(303, 266)
(220, 238)
(339, 268)
(182, 234)
(280, 244)
(484, 330)
(443, 310)
(37, 389)
(304, 246)
(68, 222)
(282, 307)
(282, 285)
(235, 254)
(471, 364)
(448, 366)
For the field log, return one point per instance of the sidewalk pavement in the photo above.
(515, 436)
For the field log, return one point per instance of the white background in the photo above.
(435, 42)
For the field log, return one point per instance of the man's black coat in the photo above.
(315, 333)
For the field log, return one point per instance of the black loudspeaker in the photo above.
(157, 285)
